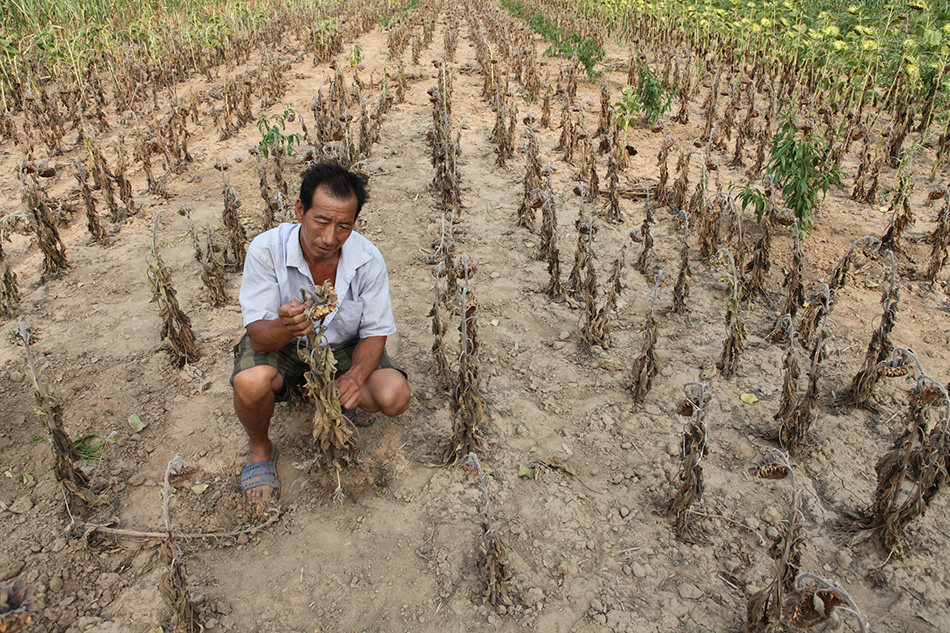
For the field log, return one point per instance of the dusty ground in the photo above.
(590, 551)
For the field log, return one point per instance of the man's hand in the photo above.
(349, 389)
(292, 317)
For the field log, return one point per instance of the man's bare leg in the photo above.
(385, 391)
(254, 390)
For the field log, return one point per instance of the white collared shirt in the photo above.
(275, 271)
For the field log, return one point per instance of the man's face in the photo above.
(326, 225)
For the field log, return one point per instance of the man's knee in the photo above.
(255, 383)
(393, 394)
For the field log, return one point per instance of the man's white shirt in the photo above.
(275, 270)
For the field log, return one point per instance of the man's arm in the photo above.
(366, 357)
(268, 335)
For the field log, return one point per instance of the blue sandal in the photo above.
(360, 417)
(262, 473)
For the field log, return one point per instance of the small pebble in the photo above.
(21, 505)
(689, 591)
(137, 479)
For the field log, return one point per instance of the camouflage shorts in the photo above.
(287, 361)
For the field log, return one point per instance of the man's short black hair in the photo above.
(341, 183)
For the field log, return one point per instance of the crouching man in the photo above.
(321, 246)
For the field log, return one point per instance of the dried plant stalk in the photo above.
(861, 389)
(532, 181)
(603, 123)
(588, 292)
(9, 293)
(444, 375)
(839, 275)
(611, 210)
(645, 366)
(794, 288)
(125, 187)
(271, 207)
(174, 585)
(765, 607)
(795, 426)
(236, 249)
(493, 557)
(212, 274)
(176, 326)
(790, 372)
(600, 326)
(549, 249)
(857, 192)
(466, 401)
(661, 193)
(643, 261)
(681, 289)
(546, 109)
(708, 216)
(690, 475)
(92, 218)
(334, 434)
(681, 184)
(728, 362)
(757, 269)
(47, 237)
(940, 239)
(79, 497)
(914, 470)
(503, 140)
(103, 178)
(583, 252)
(902, 217)
(588, 171)
(763, 139)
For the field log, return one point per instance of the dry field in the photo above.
(583, 422)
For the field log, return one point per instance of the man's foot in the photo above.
(259, 479)
(360, 417)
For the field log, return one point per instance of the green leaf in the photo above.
(27, 478)
(199, 488)
(525, 471)
(870, 283)
(136, 422)
(89, 450)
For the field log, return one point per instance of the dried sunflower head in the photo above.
(772, 466)
(15, 338)
(686, 408)
(894, 372)
(894, 366)
(19, 606)
(807, 607)
(922, 396)
(320, 300)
